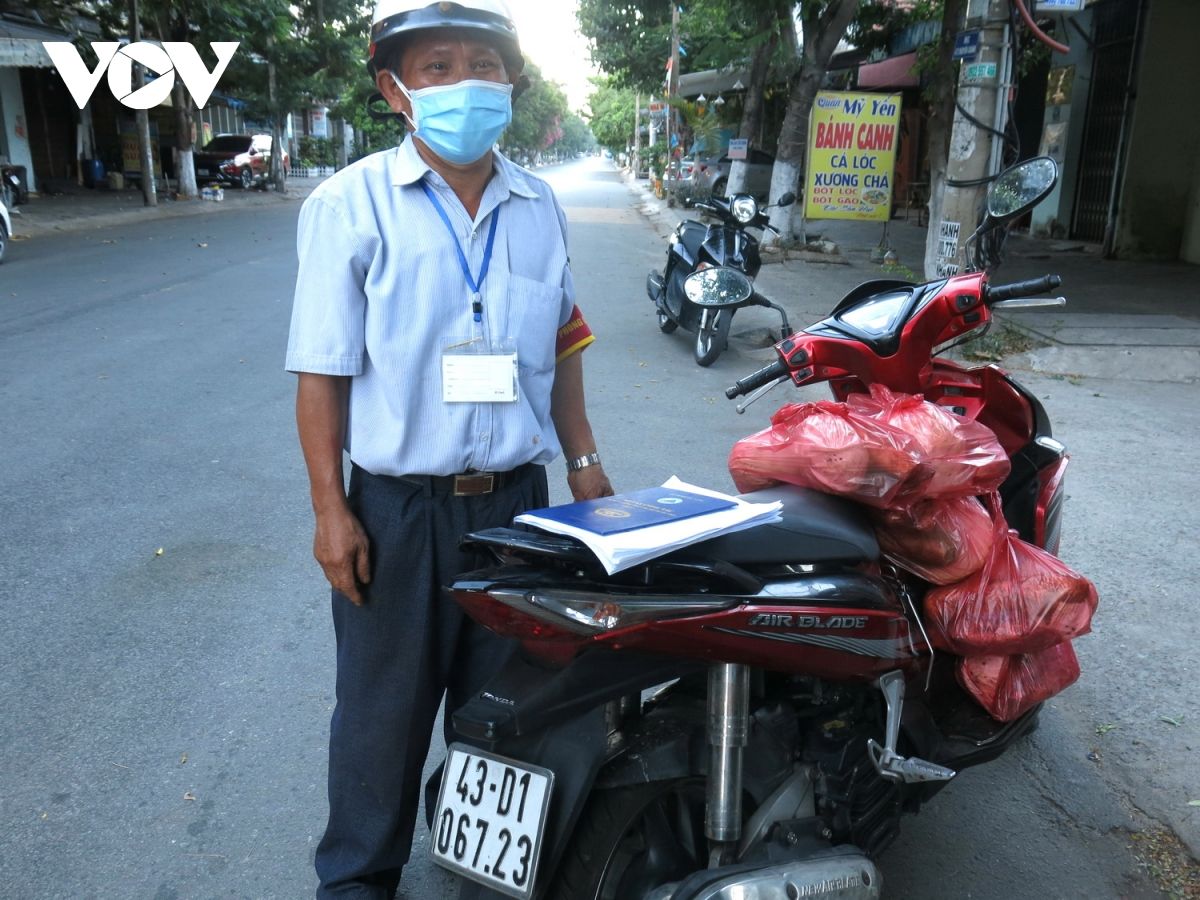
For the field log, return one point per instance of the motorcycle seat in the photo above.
(816, 528)
(692, 235)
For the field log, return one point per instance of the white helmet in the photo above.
(394, 18)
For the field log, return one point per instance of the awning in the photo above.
(712, 82)
(22, 53)
(21, 43)
(897, 72)
(720, 81)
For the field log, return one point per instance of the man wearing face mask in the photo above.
(437, 342)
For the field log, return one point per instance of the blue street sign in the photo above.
(966, 44)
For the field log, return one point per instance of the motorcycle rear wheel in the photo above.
(711, 340)
(630, 840)
(666, 324)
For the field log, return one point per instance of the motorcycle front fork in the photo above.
(728, 734)
(728, 730)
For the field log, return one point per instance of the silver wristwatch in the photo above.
(582, 462)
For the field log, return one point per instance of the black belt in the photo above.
(467, 484)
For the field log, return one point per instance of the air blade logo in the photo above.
(164, 61)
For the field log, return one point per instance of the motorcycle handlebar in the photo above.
(1030, 288)
(755, 380)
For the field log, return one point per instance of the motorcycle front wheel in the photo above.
(631, 840)
(712, 335)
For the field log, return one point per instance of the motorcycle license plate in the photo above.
(490, 818)
(202, 171)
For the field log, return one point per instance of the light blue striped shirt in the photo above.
(380, 293)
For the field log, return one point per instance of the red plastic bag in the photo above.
(1007, 686)
(1022, 600)
(942, 541)
(963, 458)
(828, 447)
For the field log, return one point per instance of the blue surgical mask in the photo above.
(460, 122)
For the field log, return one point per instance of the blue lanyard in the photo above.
(472, 283)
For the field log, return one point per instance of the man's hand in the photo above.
(340, 546)
(589, 483)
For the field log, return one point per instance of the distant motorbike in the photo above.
(695, 246)
(12, 192)
(751, 716)
(5, 228)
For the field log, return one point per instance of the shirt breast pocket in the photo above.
(534, 308)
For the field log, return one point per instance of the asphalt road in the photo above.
(167, 674)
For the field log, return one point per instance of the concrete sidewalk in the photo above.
(1128, 320)
(84, 208)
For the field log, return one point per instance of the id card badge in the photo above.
(474, 371)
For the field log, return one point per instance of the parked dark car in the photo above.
(710, 175)
(241, 159)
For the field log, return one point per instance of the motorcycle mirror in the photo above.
(1019, 189)
(717, 286)
(786, 200)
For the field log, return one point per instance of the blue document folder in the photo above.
(637, 509)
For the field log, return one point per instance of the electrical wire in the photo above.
(1037, 32)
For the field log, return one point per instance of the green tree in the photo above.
(576, 136)
(773, 44)
(611, 114)
(824, 23)
(296, 54)
(373, 132)
(631, 39)
(185, 21)
(537, 115)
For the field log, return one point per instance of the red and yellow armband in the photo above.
(573, 336)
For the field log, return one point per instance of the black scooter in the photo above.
(12, 192)
(695, 246)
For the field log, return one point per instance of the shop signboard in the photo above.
(739, 148)
(852, 141)
(320, 124)
(947, 249)
(131, 154)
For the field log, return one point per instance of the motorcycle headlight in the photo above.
(878, 315)
(744, 208)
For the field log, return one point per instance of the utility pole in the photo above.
(149, 192)
(975, 152)
(672, 86)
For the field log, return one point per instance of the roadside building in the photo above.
(1117, 119)
(1112, 111)
(33, 134)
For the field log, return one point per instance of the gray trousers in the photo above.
(396, 658)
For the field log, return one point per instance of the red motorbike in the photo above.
(748, 716)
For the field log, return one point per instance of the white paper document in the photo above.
(625, 549)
